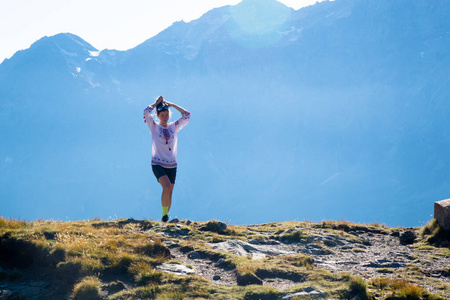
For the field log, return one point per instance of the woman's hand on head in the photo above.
(159, 100)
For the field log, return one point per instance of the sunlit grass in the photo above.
(397, 288)
(127, 248)
(88, 288)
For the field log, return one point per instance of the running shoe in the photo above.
(165, 218)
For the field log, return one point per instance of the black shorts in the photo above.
(161, 171)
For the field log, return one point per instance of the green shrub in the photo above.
(151, 276)
(144, 273)
(87, 289)
(432, 233)
(154, 249)
(262, 293)
(293, 236)
(358, 287)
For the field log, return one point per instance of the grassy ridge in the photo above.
(119, 259)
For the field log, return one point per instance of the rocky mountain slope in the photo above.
(133, 259)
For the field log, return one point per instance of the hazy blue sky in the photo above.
(112, 24)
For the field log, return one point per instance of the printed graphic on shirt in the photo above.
(166, 134)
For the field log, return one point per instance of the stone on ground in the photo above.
(307, 292)
(407, 237)
(176, 269)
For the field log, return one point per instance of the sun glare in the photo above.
(250, 26)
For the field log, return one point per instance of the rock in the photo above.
(220, 262)
(329, 243)
(309, 291)
(238, 247)
(145, 225)
(215, 226)
(442, 213)
(383, 263)
(194, 255)
(407, 237)
(222, 226)
(232, 246)
(216, 277)
(176, 269)
(188, 222)
(248, 279)
(315, 249)
(171, 231)
(254, 242)
(327, 240)
(395, 233)
(174, 221)
(263, 242)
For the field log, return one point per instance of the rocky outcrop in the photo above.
(241, 248)
(408, 237)
(442, 213)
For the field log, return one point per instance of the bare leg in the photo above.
(171, 191)
(167, 189)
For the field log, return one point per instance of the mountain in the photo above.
(142, 259)
(333, 111)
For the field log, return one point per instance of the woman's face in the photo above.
(164, 116)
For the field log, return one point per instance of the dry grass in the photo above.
(127, 248)
(87, 288)
(358, 287)
(396, 288)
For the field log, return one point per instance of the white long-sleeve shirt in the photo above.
(164, 139)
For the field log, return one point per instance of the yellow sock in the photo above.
(165, 210)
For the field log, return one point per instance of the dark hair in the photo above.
(161, 107)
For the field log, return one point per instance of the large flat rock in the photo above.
(241, 248)
(176, 269)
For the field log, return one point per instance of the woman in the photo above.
(164, 147)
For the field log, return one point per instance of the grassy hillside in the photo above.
(131, 259)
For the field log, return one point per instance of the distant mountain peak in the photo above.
(66, 41)
(69, 37)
